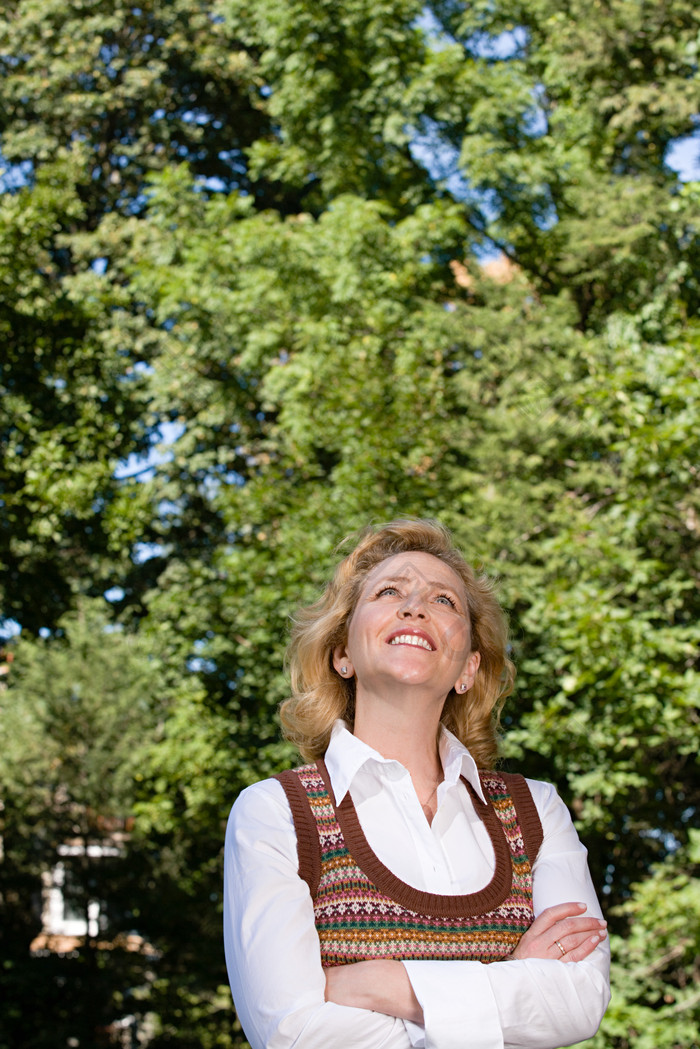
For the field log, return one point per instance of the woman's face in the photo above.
(410, 625)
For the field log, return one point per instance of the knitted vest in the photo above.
(363, 911)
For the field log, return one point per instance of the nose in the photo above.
(412, 605)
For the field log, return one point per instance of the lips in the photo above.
(413, 638)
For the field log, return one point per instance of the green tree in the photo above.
(655, 977)
(561, 117)
(549, 125)
(138, 86)
(565, 461)
(94, 98)
(73, 405)
(74, 713)
(260, 224)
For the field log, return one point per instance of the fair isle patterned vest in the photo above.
(363, 911)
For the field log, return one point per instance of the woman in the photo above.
(386, 894)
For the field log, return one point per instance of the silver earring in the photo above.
(343, 670)
(462, 687)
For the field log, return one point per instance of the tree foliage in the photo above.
(73, 714)
(246, 308)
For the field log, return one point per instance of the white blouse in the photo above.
(272, 948)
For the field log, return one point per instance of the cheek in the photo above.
(456, 637)
(355, 633)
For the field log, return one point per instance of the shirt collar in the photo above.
(347, 755)
(457, 761)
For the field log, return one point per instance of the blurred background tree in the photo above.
(271, 271)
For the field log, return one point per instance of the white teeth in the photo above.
(411, 639)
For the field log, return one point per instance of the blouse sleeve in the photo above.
(528, 1004)
(272, 949)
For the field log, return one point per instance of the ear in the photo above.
(468, 675)
(342, 662)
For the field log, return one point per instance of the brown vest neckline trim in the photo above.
(308, 841)
(429, 903)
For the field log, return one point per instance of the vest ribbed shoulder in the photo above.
(363, 911)
(528, 816)
(308, 844)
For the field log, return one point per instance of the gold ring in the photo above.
(560, 947)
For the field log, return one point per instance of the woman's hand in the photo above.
(562, 933)
(382, 986)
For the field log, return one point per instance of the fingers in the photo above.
(583, 949)
(575, 927)
(559, 912)
(562, 933)
(574, 938)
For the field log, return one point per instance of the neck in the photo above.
(405, 731)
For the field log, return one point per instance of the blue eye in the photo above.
(446, 599)
(387, 590)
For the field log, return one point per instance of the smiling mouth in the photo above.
(412, 639)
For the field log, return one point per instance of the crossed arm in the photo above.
(285, 1000)
(384, 985)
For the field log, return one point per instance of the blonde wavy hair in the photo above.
(320, 695)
